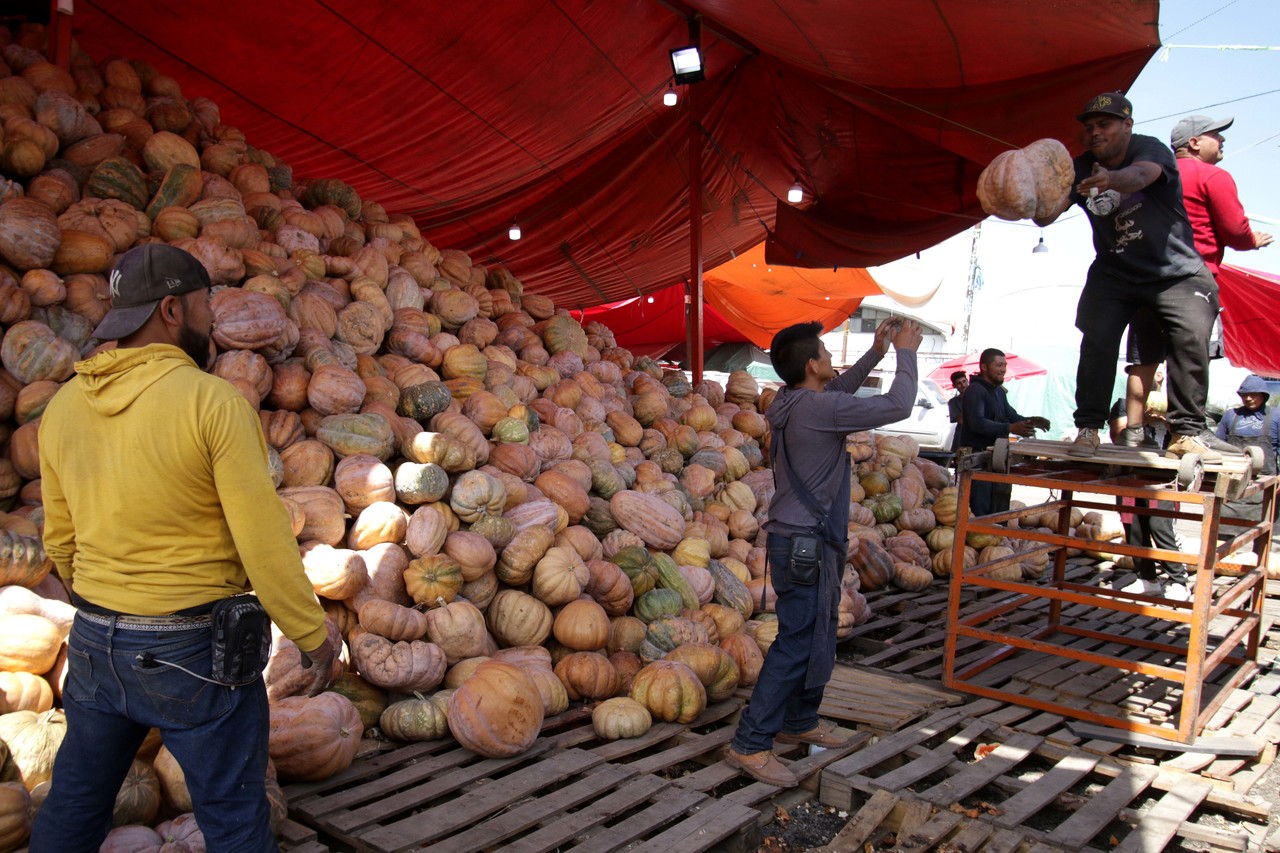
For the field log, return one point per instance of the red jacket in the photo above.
(1213, 206)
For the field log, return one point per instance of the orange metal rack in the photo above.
(1193, 655)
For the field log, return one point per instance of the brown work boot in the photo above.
(1086, 443)
(1184, 444)
(762, 766)
(825, 734)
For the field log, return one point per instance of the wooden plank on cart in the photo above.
(1094, 815)
(1160, 823)
(476, 805)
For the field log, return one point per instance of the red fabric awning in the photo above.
(1020, 367)
(472, 115)
(1250, 318)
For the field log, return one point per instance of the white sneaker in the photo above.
(1177, 592)
(1140, 586)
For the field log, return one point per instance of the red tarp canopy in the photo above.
(1019, 368)
(471, 116)
(1251, 318)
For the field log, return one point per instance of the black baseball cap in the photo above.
(1110, 103)
(140, 279)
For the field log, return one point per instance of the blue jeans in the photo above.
(218, 735)
(779, 702)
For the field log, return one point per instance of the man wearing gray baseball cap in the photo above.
(1209, 193)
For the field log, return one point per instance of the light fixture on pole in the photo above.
(1040, 247)
(686, 63)
(514, 231)
(795, 195)
(669, 97)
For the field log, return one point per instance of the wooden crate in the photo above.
(1076, 798)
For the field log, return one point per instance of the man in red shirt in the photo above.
(1217, 220)
(1209, 193)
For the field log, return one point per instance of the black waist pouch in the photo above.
(806, 559)
(241, 640)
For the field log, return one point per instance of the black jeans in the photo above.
(1186, 309)
(1148, 530)
(986, 498)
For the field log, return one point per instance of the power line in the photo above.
(1208, 106)
(1202, 20)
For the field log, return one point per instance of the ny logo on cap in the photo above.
(115, 284)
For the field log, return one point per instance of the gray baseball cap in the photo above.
(1196, 126)
(140, 279)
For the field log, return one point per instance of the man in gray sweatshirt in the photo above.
(809, 422)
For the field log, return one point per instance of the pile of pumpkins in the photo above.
(903, 516)
(501, 510)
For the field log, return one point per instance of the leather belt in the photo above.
(148, 623)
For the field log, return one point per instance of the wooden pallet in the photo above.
(880, 702)
(1074, 796)
(669, 790)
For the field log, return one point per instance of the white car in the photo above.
(930, 422)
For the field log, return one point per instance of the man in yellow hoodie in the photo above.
(158, 505)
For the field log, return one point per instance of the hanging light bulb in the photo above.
(669, 97)
(649, 300)
(1040, 248)
(514, 231)
(795, 195)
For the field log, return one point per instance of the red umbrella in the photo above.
(1019, 368)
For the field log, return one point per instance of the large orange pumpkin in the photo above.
(497, 712)
(312, 738)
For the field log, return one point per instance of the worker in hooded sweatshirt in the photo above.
(809, 422)
(159, 512)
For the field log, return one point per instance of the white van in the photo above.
(930, 422)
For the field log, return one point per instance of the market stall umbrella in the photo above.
(1019, 368)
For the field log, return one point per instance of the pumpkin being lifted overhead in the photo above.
(1028, 183)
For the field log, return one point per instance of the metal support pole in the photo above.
(60, 33)
(693, 294)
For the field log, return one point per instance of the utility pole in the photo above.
(975, 284)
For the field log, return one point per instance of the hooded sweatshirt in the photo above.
(157, 494)
(810, 429)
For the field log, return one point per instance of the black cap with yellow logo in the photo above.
(1110, 103)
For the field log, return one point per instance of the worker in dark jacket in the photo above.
(988, 416)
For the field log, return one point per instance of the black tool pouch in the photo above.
(806, 559)
(241, 640)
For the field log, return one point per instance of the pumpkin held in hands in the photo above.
(1028, 183)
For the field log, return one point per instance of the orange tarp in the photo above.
(758, 299)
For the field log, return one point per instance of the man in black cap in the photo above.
(1129, 186)
(159, 512)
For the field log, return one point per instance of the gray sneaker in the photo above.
(1210, 440)
(1086, 443)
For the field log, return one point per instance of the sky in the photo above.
(1026, 302)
